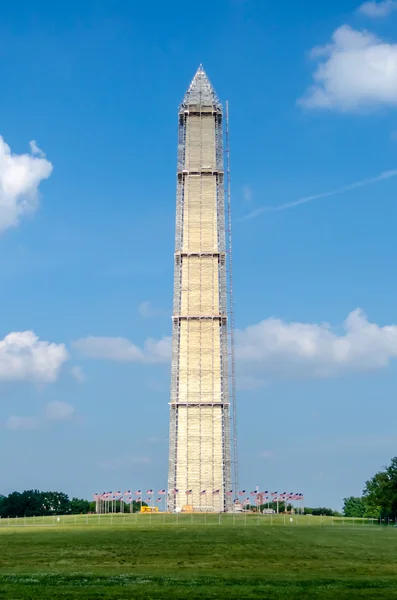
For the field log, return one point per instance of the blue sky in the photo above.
(87, 235)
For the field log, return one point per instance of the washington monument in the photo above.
(200, 456)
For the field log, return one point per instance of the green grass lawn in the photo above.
(159, 558)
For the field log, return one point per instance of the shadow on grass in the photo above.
(92, 586)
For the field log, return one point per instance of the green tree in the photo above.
(78, 506)
(55, 503)
(380, 492)
(322, 511)
(136, 506)
(353, 507)
(13, 506)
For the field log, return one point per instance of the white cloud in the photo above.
(23, 423)
(274, 349)
(145, 309)
(120, 349)
(158, 350)
(35, 149)
(294, 350)
(23, 357)
(78, 374)
(247, 193)
(58, 411)
(346, 188)
(355, 71)
(53, 411)
(378, 9)
(20, 177)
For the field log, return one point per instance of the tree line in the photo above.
(307, 510)
(35, 503)
(379, 497)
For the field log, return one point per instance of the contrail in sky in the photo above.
(346, 188)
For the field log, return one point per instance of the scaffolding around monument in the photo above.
(202, 372)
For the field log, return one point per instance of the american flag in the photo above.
(138, 492)
(202, 492)
(158, 500)
(229, 493)
(174, 491)
(149, 491)
(215, 492)
(241, 493)
(148, 498)
(129, 499)
(189, 491)
(127, 493)
(118, 493)
(161, 491)
(253, 493)
(139, 499)
(274, 493)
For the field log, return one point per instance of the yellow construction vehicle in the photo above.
(149, 509)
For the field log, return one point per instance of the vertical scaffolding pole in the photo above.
(232, 391)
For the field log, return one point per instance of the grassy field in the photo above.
(197, 557)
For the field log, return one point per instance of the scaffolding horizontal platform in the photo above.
(217, 404)
(198, 110)
(200, 254)
(203, 170)
(198, 317)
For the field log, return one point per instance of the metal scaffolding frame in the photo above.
(231, 312)
(202, 384)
